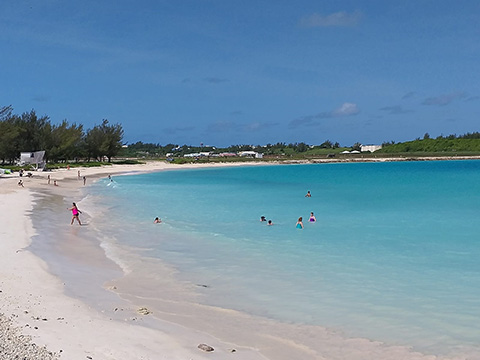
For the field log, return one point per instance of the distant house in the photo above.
(197, 155)
(253, 154)
(370, 148)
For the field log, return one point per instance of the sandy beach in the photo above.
(34, 300)
(49, 322)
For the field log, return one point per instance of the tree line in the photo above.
(29, 132)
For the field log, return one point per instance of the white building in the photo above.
(253, 154)
(370, 148)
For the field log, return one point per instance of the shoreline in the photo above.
(175, 337)
(36, 303)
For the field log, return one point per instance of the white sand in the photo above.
(36, 301)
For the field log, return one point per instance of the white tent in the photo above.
(36, 158)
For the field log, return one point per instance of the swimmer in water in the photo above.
(262, 218)
(270, 222)
(312, 217)
(157, 221)
(308, 194)
(299, 223)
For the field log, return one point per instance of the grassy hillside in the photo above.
(442, 145)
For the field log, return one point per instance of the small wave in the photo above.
(113, 252)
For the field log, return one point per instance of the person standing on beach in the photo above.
(75, 213)
(84, 180)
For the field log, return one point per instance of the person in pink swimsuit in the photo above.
(75, 213)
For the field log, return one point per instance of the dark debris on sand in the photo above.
(14, 345)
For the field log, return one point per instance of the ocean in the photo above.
(393, 256)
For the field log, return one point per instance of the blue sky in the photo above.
(222, 72)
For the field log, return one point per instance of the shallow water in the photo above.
(393, 255)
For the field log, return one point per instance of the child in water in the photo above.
(75, 213)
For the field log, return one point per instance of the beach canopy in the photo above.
(36, 158)
(345, 152)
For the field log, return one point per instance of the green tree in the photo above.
(5, 112)
(112, 142)
(301, 147)
(93, 142)
(30, 127)
(9, 134)
(104, 140)
(63, 141)
(327, 145)
(357, 146)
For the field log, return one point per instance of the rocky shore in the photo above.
(15, 345)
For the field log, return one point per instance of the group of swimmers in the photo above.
(311, 219)
(299, 224)
(263, 218)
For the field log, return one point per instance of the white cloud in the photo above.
(341, 18)
(346, 109)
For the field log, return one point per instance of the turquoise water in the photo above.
(393, 256)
